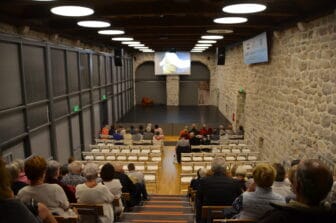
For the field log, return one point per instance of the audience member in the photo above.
(105, 132)
(112, 130)
(12, 210)
(52, 195)
(312, 182)
(182, 146)
(148, 134)
(138, 178)
(194, 184)
(128, 137)
(280, 186)
(22, 175)
(92, 192)
(215, 134)
(185, 132)
(158, 129)
(74, 177)
(218, 189)
(240, 174)
(127, 186)
(193, 139)
(141, 129)
(158, 139)
(14, 171)
(253, 205)
(108, 179)
(137, 136)
(132, 129)
(117, 135)
(203, 131)
(194, 129)
(240, 130)
(52, 174)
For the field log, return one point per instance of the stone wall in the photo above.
(290, 109)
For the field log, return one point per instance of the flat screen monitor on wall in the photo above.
(256, 49)
(172, 63)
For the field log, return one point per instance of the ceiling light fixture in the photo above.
(203, 44)
(206, 41)
(136, 44)
(140, 47)
(93, 24)
(244, 8)
(212, 37)
(130, 42)
(72, 10)
(230, 20)
(220, 31)
(122, 39)
(111, 32)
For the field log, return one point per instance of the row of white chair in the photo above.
(133, 142)
(200, 157)
(90, 156)
(139, 166)
(226, 146)
(127, 150)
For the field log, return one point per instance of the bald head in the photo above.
(312, 182)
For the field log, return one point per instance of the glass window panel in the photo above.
(103, 91)
(84, 68)
(114, 70)
(40, 143)
(74, 101)
(11, 125)
(95, 70)
(95, 95)
(60, 108)
(109, 90)
(58, 72)
(63, 141)
(10, 80)
(34, 68)
(115, 89)
(108, 70)
(72, 64)
(37, 116)
(102, 70)
(86, 99)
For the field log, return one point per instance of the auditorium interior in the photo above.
(261, 84)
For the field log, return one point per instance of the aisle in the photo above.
(161, 209)
(169, 180)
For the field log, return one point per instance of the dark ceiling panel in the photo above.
(161, 24)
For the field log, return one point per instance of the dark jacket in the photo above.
(295, 214)
(216, 190)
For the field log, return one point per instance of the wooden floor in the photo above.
(168, 175)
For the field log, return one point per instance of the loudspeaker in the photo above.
(117, 57)
(220, 55)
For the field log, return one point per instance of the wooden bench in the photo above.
(92, 210)
(61, 219)
(210, 212)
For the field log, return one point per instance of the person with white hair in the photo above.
(74, 177)
(92, 192)
(217, 189)
(148, 134)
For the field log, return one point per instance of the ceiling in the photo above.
(161, 24)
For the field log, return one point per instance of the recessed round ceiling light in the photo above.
(111, 32)
(230, 20)
(203, 44)
(122, 39)
(244, 8)
(72, 10)
(206, 41)
(220, 31)
(212, 37)
(130, 42)
(93, 24)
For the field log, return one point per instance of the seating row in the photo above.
(139, 166)
(226, 146)
(90, 156)
(200, 157)
(137, 149)
(112, 141)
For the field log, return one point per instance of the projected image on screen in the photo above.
(167, 63)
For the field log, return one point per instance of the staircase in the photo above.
(161, 209)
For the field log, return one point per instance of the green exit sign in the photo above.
(104, 97)
(75, 108)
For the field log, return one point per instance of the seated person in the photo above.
(73, 178)
(217, 189)
(215, 135)
(312, 183)
(239, 175)
(158, 139)
(127, 137)
(137, 136)
(253, 205)
(158, 129)
(112, 130)
(105, 132)
(194, 140)
(12, 210)
(182, 146)
(203, 131)
(92, 192)
(148, 135)
(185, 132)
(280, 186)
(14, 170)
(194, 129)
(117, 135)
(52, 174)
(113, 184)
(138, 178)
(52, 195)
(194, 184)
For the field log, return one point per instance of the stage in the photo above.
(173, 118)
